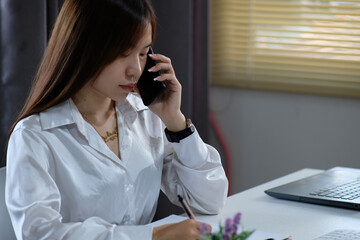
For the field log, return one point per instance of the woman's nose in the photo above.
(135, 68)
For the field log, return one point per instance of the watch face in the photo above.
(188, 122)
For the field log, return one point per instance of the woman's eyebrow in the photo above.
(149, 45)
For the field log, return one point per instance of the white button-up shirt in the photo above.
(63, 182)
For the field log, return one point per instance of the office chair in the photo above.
(6, 229)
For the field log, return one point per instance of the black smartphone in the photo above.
(150, 89)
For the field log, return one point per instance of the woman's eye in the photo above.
(124, 55)
(142, 54)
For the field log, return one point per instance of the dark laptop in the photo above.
(338, 187)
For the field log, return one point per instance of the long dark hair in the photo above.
(87, 36)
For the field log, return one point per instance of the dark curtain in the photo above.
(25, 27)
(182, 35)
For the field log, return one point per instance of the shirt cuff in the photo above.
(191, 151)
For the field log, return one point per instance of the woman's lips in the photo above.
(128, 87)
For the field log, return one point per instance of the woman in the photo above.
(86, 159)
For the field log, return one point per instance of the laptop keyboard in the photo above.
(341, 235)
(348, 191)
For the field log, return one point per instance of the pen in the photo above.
(186, 207)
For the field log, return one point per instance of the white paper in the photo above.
(169, 219)
(260, 235)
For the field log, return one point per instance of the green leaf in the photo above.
(242, 235)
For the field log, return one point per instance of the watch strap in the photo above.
(177, 136)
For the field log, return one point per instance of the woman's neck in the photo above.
(93, 104)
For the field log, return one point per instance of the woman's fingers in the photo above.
(160, 57)
(161, 66)
(164, 65)
(189, 229)
(165, 76)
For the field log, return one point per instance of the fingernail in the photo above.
(155, 79)
(151, 69)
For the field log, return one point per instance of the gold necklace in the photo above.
(110, 136)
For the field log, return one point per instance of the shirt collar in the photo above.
(130, 107)
(57, 116)
(66, 113)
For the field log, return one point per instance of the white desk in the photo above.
(302, 221)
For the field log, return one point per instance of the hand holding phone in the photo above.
(149, 88)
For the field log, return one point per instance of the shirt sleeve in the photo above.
(193, 170)
(33, 198)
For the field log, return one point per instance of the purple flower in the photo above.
(228, 229)
(236, 222)
(228, 225)
(204, 229)
(234, 230)
(237, 218)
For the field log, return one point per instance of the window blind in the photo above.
(308, 46)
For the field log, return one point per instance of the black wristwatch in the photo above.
(177, 136)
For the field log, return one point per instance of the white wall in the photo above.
(271, 134)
